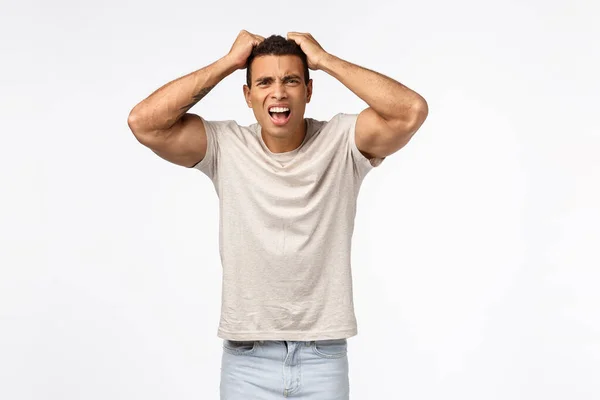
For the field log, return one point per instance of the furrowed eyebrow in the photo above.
(270, 79)
(264, 79)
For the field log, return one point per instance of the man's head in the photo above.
(277, 75)
(276, 45)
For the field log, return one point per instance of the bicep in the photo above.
(377, 138)
(184, 144)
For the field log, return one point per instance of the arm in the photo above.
(161, 121)
(395, 112)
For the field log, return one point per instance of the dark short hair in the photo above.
(276, 45)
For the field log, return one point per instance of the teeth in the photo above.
(279, 109)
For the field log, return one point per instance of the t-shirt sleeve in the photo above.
(215, 131)
(362, 164)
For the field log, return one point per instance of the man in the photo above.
(287, 188)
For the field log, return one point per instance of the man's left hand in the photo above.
(313, 50)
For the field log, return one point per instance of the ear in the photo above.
(309, 89)
(247, 96)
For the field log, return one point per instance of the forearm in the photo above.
(390, 99)
(163, 108)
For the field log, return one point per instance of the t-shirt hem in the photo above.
(288, 335)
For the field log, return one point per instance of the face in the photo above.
(278, 81)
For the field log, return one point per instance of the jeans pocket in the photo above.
(334, 348)
(239, 347)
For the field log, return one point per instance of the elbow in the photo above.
(136, 124)
(134, 120)
(411, 120)
(419, 113)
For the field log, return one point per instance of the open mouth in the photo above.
(280, 115)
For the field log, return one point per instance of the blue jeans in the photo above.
(269, 370)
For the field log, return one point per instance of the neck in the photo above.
(284, 144)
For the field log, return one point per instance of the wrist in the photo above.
(213, 73)
(325, 62)
(226, 65)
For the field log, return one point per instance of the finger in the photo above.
(257, 39)
(296, 38)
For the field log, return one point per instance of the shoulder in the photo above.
(225, 129)
(340, 122)
(336, 120)
(222, 125)
(344, 124)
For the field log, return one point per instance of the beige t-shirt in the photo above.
(285, 229)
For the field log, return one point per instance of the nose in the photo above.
(279, 91)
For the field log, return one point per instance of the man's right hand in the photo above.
(242, 48)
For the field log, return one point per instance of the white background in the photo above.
(475, 254)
